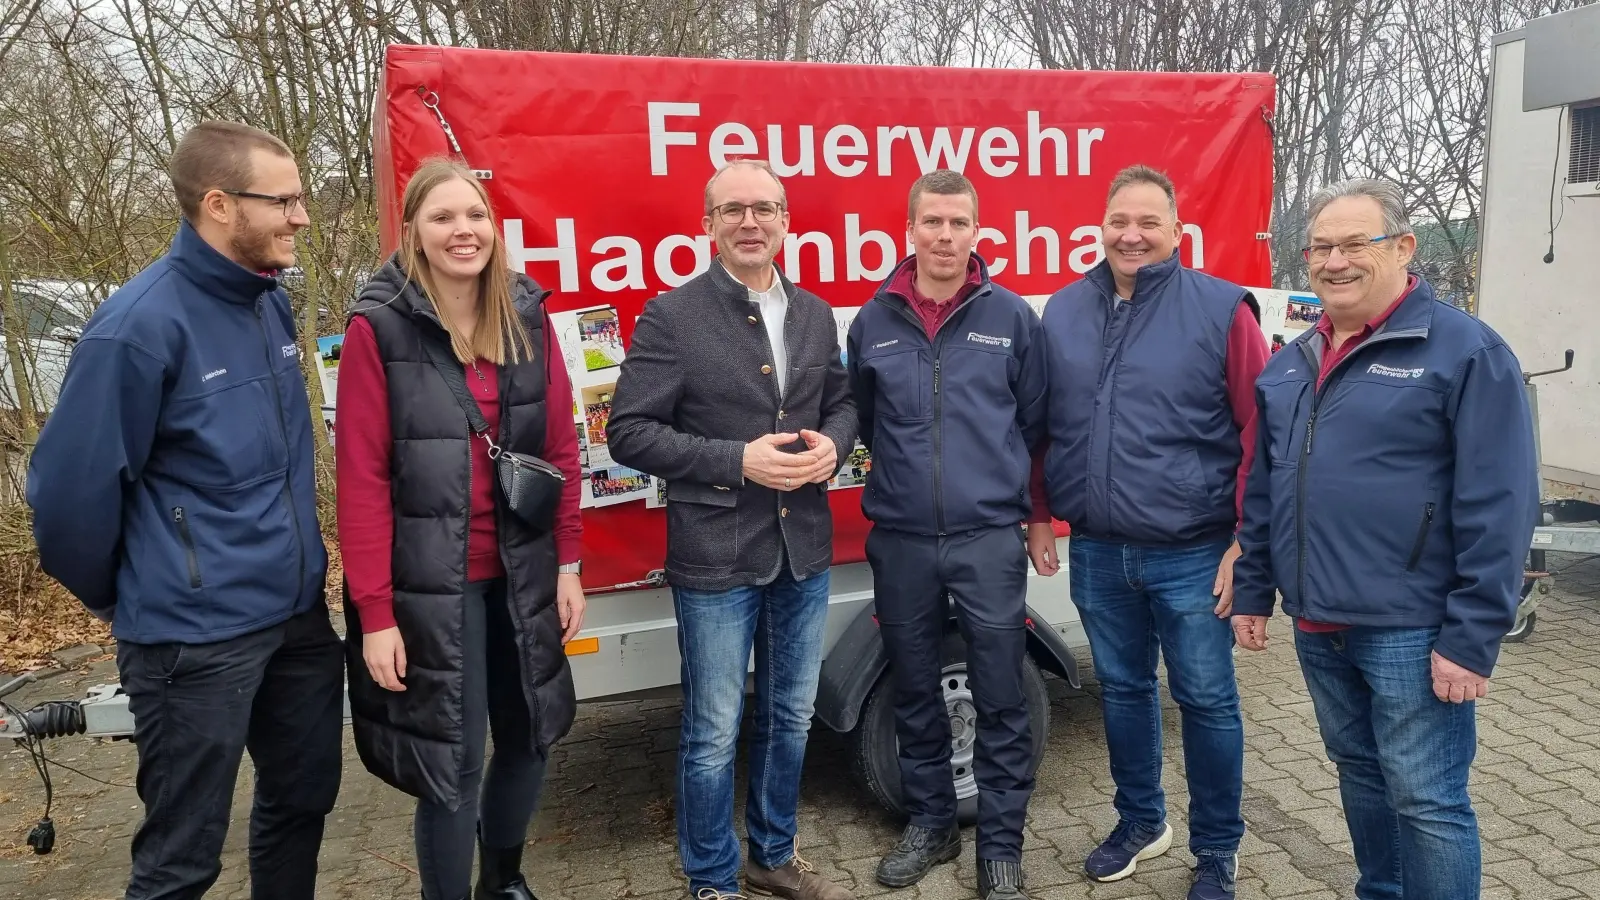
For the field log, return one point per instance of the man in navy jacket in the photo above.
(173, 494)
(948, 373)
(1392, 503)
(1151, 424)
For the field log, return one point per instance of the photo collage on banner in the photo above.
(857, 462)
(328, 368)
(592, 344)
(591, 340)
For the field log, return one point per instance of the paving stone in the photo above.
(606, 828)
(73, 657)
(1529, 885)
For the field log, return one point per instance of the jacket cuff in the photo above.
(376, 615)
(841, 451)
(1477, 658)
(1252, 603)
(727, 463)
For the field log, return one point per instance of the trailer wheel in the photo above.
(1520, 631)
(877, 763)
(1523, 628)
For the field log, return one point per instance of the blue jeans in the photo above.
(1139, 604)
(1403, 757)
(784, 622)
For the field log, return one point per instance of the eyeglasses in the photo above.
(1350, 249)
(733, 213)
(287, 204)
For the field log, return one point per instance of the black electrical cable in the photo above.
(1555, 168)
(43, 836)
(79, 772)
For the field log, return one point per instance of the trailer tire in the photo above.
(1522, 629)
(876, 752)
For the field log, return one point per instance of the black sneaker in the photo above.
(919, 850)
(1122, 852)
(1000, 880)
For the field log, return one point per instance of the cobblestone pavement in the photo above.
(606, 829)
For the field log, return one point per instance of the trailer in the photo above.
(1539, 274)
(597, 165)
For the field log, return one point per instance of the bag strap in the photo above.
(456, 378)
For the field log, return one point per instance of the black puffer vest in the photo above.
(413, 739)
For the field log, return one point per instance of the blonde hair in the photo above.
(499, 335)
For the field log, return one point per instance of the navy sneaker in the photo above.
(1213, 877)
(1116, 859)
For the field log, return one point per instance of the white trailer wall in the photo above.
(1543, 309)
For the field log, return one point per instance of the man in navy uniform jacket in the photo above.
(948, 373)
(1392, 503)
(174, 494)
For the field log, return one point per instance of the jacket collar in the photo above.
(214, 273)
(390, 286)
(886, 289)
(1412, 319)
(727, 287)
(1149, 279)
(1414, 315)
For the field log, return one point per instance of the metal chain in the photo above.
(430, 99)
(656, 578)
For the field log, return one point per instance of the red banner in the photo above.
(597, 167)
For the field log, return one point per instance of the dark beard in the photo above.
(254, 248)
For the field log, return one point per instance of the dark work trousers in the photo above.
(491, 698)
(278, 693)
(985, 573)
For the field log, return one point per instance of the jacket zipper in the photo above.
(1318, 395)
(182, 521)
(1422, 537)
(938, 440)
(938, 402)
(540, 465)
(283, 432)
(529, 695)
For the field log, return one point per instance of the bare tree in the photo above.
(98, 93)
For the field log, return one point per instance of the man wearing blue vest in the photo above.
(1393, 498)
(1151, 427)
(948, 373)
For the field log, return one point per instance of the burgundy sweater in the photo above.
(362, 455)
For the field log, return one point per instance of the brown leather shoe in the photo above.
(794, 880)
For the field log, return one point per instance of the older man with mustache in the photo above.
(1392, 500)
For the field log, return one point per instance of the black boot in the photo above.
(500, 874)
(1000, 880)
(919, 850)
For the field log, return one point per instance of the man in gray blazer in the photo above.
(733, 391)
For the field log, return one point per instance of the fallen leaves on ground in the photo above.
(39, 617)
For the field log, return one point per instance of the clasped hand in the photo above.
(767, 464)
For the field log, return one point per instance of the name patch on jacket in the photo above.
(992, 341)
(1392, 372)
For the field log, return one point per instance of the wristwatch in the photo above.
(575, 568)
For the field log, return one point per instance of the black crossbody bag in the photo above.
(531, 486)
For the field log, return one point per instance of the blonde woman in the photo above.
(458, 603)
